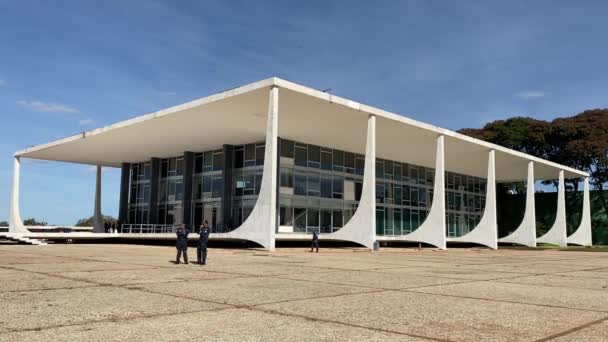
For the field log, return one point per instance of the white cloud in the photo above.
(41, 106)
(2, 83)
(167, 93)
(531, 94)
(85, 122)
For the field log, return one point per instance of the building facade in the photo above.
(284, 161)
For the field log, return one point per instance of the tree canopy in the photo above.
(33, 222)
(580, 141)
(88, 222)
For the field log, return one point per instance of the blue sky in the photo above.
(69, 66)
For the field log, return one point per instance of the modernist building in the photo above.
(274, 160)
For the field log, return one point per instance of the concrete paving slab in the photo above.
(50, 308)
(562, 281)
(145, 276)
(253, 291)
(451, 273)
(601, 276)
(455, 319)
(86, 266)
(372, 279)
(583, 299)
(233, 325)
(530, 267)
(593, 333)
(11, 281)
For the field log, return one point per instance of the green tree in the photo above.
(88, 222)
(32, 222)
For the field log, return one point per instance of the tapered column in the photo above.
(261, 225)
(432, 230)
(361, 228)
(16, 224)
(525, 234)
(582, 236)
(97, 215)
(486, 232)
(558, 232)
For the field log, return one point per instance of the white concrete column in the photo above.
(260, 227)
(16, 224)
(361, 228)
(432, 230)
(558, 232)
(525, 234)
(97, 215)
(486, 232)
(582, 236)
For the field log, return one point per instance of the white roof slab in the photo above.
(238, 116)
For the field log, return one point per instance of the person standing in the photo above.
(315, 241)
(182, 243)
(201, 251)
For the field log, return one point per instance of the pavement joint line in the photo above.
(50, 289)
(573, 330)
(50, 275)
(362, 286)
(110, 320)
(316, 319)
(502, 301)
(505, 281)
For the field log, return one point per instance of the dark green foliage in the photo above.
(88, 222)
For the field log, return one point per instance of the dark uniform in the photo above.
(201, 250)
(182, 244)
(315, 242)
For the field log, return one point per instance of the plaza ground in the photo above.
(134, 293)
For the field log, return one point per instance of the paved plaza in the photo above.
(134, 293)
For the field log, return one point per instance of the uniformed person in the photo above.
(315, 241)
(201, 250)
(182, 243)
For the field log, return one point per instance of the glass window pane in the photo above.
(301, 155)
(286, 178)
(379, 169)
(259, 154)
(314, 156)
(207, 161)
(337, 219)
(218, 161)
(218, 187)
(299, 219)
(287, 148)
(314, 186)
(326, 216)
(338, 160)
(359, 165)
(239, 158)
(198, 163)
(300, 183)
(312, 217)
(326, 160)
(326, 182)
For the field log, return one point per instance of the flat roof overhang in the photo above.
(238, 116)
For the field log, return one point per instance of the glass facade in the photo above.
(319, 190)
(247, 180)
(465, 202)
(404, 194)
(139, 193)
(171, 191)
(208, 190)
